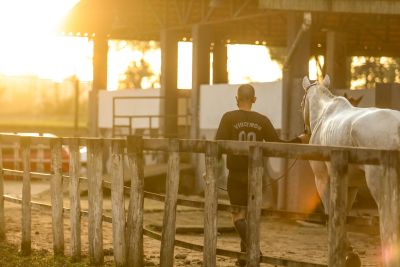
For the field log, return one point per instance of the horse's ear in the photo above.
(327, 81)
(306, 83)
(358, 100)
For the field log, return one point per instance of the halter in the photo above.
(303, 101)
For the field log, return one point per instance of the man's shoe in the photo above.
(241, 263)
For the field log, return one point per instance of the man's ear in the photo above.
(254, 100)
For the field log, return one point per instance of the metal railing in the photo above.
(120, 122)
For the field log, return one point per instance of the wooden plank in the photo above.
(390, 209)
(184, 244)
(40, 157)
(118, 203)
(26, 197)
(256, 170)
(57, 197)
(17, 157)
(235, 254)
(135, 210)
(168, 233)
(74, 196)
(271, 149)
(210, 205)
(2, 218)
(161, 169)
(95, 197)
(338, 209)
(14, 138)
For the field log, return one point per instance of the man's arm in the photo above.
(270, 134)
(223, 129)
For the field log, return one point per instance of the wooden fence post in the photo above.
(26, 197)
(40, 158)
(338, 209)
(95, 197)
(74, 196)
(17, 158)
(390, 209)
(171, 196)
(2, 219)
(210, 205)
(118, 203)
(56, 187)
(255, 174)
(135, 210)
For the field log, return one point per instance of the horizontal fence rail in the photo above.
(128, 227)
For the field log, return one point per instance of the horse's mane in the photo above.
(322, 91)
(326, 91)
(339, 100)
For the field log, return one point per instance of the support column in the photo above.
(100, 52)
(200, 75)
(299, 181)
(220, 62)
(200, 71)
(169, 80)
(336, 61)
(292, 121)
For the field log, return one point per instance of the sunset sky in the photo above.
(33, 45)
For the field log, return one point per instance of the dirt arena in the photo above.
(280, 238)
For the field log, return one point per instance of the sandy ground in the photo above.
(279, 238)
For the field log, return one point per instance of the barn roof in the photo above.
(372, 27)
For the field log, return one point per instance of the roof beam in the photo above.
(339, 6)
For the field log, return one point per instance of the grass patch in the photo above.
(11, 257)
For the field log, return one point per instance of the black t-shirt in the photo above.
(244, 125)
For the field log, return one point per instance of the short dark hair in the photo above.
(245, 92)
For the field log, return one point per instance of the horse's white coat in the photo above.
(332, 120)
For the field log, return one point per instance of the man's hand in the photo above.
(305, 138)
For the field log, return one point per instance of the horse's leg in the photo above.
(352, 258)
(374, 174)
(321, 182)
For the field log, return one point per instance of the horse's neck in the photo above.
(318, 103)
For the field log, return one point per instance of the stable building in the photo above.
(336, 29)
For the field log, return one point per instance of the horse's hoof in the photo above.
(352, 260)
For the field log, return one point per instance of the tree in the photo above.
(374, 70)
(139, 70)
(135, 74)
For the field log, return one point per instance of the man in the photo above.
(244, 125)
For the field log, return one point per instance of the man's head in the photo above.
(245, 95)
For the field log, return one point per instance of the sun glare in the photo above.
(31, 43)
(251, 63)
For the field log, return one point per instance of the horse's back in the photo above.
(377, 128)
(360, 127)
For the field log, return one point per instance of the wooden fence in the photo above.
(128, 227)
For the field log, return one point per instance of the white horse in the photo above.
(332, 120)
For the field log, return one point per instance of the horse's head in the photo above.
(307, 85)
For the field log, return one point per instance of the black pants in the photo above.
(237, 188)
